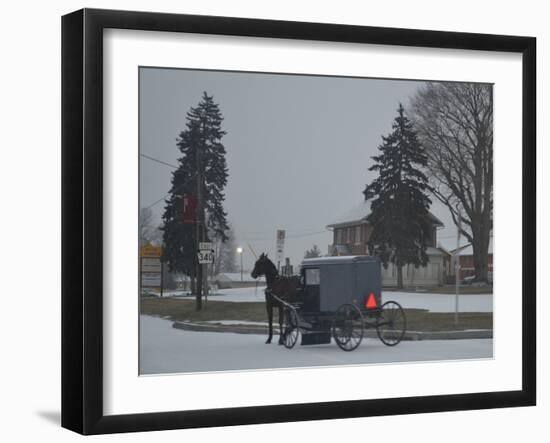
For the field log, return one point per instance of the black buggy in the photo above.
(340, 297)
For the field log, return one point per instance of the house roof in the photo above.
(354, 215)
(430, 250)
(344, 259)
(444, 250)
(360, 212)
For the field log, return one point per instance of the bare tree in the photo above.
(148, 232)
(225, 253)
(145, 225)
(455, 124)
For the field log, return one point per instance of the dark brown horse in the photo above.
(286, 288)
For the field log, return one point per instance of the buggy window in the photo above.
(312, 276)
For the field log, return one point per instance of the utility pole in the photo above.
(457, 266)
(240, 252)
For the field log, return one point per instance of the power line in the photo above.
(177, 189)
(307, 234)
(157, 201)
(289, 231)
(153, 159)
(158, 161)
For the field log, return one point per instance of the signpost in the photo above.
(287, 270)
(280, 247)
(150, 267)
(205, 256)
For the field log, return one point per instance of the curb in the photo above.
(218, 327)
(409, 335)
(441, 335)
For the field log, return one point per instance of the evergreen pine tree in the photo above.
(399, 202)
(203, 133)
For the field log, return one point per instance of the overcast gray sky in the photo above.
(298, 148)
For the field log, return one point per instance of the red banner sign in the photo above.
(189, 208)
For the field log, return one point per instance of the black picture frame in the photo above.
(82, 215)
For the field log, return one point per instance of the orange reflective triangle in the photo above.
(371, 302)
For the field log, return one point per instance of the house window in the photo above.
(338, 237)
(431, 237)
(358, 235)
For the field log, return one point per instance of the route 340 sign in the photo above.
(205, 253)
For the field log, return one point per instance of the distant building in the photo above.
(351, 233)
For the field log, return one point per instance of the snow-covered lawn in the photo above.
(431, 301)
(164, 349)
(441, 302)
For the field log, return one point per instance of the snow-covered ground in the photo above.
(419, 300)
(441, 302)
(164, 349)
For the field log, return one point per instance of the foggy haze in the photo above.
(298, 149)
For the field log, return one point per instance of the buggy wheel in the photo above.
(391, 323)
(291, 330)
(348, 327)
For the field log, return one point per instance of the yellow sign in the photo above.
(150, 251)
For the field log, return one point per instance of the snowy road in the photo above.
(431, 301)
(164, 349)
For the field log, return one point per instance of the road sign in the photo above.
(150, 251)
(151, 267)
(205, 253)
(205, 257)
(151, 279)
(150, 264)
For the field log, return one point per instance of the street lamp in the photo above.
(240, 252)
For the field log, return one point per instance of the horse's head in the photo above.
(263, 266)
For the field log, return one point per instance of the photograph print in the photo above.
(296, 221)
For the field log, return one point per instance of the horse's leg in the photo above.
(269, 307)
(281, 314)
